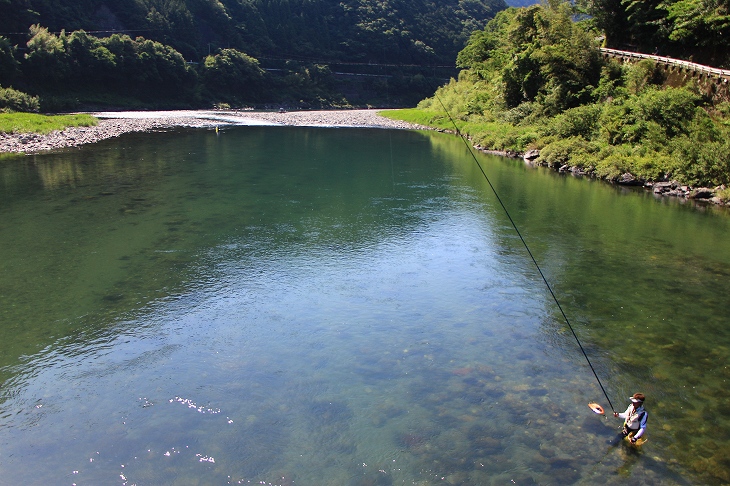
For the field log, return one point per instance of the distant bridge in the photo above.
(720, 75)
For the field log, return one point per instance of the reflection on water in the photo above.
(348, 307)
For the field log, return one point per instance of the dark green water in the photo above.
(349, 307)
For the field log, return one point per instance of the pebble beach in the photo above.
(114, 124)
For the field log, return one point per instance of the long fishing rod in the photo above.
(532, 257)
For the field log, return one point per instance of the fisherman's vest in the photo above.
(634, 419)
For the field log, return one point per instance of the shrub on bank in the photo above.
(501, 136)
(582, 121)
(702, 164)
(724, 194)
(646, 165)
(14, 100)
(565, 151)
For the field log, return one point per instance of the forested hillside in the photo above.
(188, 52)
(363, 30)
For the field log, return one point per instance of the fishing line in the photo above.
(469, 148)
(524, 243)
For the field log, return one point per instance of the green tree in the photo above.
(647, 25)
(161, 71)
(232, 75)
(8, 63)
(46, 62)
(542, 56)
(90, 62)
(703, 24)
(609, 16)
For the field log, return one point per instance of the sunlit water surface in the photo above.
(349, 307)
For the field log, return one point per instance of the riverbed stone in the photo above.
(662, 187)
(701, 193)
(531, 155)
(628, 179)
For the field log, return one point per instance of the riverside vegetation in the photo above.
(534, 79)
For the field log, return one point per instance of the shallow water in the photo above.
(349, 307)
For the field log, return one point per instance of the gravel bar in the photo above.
(114, 124)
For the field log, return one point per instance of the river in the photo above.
(336, 306)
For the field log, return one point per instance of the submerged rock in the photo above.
(414, 442)
(328, 413)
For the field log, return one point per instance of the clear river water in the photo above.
(297, 306)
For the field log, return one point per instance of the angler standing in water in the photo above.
(634, 418)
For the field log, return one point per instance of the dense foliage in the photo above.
(188, 52)
(67, 66)
(533, 79)
(350, 30)
(678, 28)
(14, 100)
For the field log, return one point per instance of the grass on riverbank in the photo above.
(490, 134)
(43, 124)
(419, 117)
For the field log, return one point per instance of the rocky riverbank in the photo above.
(114, 124)
(658, 188)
